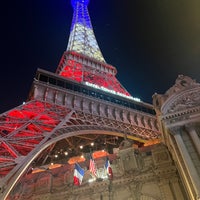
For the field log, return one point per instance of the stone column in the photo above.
(165, 190)
(194, 177)
(177, 189)
(193, 134)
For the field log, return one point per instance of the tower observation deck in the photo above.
(82, 103)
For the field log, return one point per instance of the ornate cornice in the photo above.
(183, 117)
(184, 94)
(180, 104)
(185, 99)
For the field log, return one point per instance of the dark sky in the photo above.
(150, 42)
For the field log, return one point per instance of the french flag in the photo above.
(78, 174)
(108, 169)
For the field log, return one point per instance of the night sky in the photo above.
(150, 42)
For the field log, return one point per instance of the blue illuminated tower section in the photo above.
(82, 39)
(83, 61)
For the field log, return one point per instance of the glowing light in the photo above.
(136, 99)
(66, 153)
(74, 2)
(73, 70)
(99, 154)
(81, 147)
(91, 180)
(92, 144)
(112, 91)
(76, 159)
(56, 156)
(53, 166)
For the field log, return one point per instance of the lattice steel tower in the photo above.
(83, 60)
(83, 97)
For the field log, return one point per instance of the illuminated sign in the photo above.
(111, 91)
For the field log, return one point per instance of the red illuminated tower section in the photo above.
(83, 61)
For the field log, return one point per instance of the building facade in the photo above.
(179, 116)
(142, 174)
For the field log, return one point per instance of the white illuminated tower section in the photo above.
(82, 39)
(83, 60)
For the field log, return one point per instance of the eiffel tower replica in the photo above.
(81, 102)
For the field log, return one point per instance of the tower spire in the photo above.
(83, 61)
(82, 39)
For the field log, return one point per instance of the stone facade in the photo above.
(138, 174)
(178, 112)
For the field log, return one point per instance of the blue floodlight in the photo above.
(74, 2)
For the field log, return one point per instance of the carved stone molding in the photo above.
(184, 94)
(175, 130)
(191, 125)
(187, 99)
(161, 155)
(182, 82)
(182, 118)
